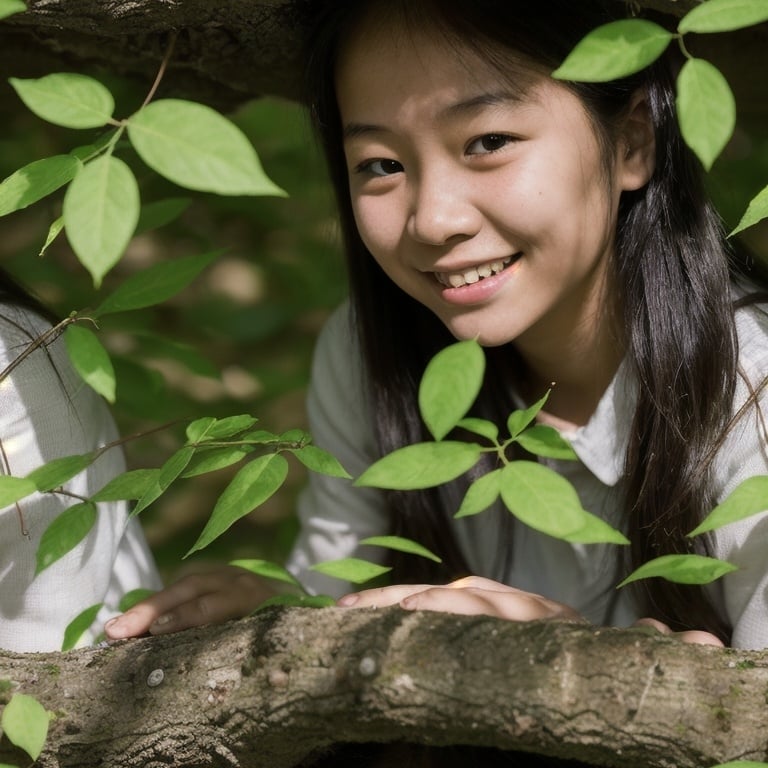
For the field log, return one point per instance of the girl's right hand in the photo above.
(697, 636)
(206, 598)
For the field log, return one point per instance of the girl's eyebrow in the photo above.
(470, 105)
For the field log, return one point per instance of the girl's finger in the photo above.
(381, 597)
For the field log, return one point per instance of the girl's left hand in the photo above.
(471, 595)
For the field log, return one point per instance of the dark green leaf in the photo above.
(213, 459)
(79, 626)
(351, 569)
(128, 486)
(267, 569)
(423, 465)
(91, 360)
(320, 461)
(57, 471)
(682, 569)
(13, 489)
(135, 596)
(401, 545)
(170, 471)
(64, 534)
(161, 212)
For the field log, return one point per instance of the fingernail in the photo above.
(348, 600)
(114, 627)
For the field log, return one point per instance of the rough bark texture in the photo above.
(269, 691)
(226, 53)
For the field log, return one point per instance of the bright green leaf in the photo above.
(401, 545)
(11, 7)
(197, 430)
(298, 437)
(481, 495)
(213, 459)
(170, 471)
(53, 232)
(614, 50)
(756, 211)
(543, 440)
(230, 426)
(251, 486)
(724, 16)
(706, 109)
(161, 212)
(351, 569)
(57, 471)
(741, 764)
(682, 569)
(65, 532)
(79, 626)
(298, 601)
(482, 427)
(35, 181)
(91, 360)
(748, 498)
(320, 461)
(155, 284)
(268, 570)
(196, 147)
(25, 723)
(546, 501)
(67, 99)
(422, 465)
(129, 599)
(519, 420)
(449, 386)
(101, 208)
(12, 489)
(128, 486)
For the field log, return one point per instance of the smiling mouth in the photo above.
(475, 274)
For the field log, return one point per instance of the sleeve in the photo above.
(744, 454)
(47, 412)
(333, 514)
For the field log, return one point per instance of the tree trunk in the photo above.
(275, 689)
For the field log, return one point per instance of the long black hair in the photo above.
(671, 273)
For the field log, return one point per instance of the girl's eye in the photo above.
(380, 167)
(491, 142)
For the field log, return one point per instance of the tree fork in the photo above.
(273, 689)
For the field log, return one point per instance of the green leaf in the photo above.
(741, 764)
(53, 232)
(519, 420)
(198, 429)
(135, 596)
(250, 487)
(706, 109)
(422, 465)
(169, 472)
(197, 148)
(299, 601)
(544, 440)
(267, 569)
(614, 50)
(35, 181)
(724, 16)
(161, 212)
(67, 99)
(401, 545)
(544, 500)
(79, 626)
(320, 461)
(351, 569)
(128, 486)
(756, 211)
(91, 360)
(25, 723)
(156, 284)
(481, 495)
(213, 459)
(482, 427)
(449, 386)
(12, 489)
(11, 7)
(682, 569)
(230, 426)
(56, 472)
(65, 532)
(748, 498)
(101, 208)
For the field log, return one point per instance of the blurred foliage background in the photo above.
(240, 339)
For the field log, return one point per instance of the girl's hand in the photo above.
(691, 636)
(207, 598)
(471, 595)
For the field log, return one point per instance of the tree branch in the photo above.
(268, 691)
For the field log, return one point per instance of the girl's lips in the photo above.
(483, 289)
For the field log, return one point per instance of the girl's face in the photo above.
(489, 203)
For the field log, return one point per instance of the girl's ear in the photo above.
(636, 148)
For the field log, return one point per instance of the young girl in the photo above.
(565, 226)
(46, 412)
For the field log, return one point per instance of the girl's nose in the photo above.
(442, 209)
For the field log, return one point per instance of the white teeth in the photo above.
(472, 275)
